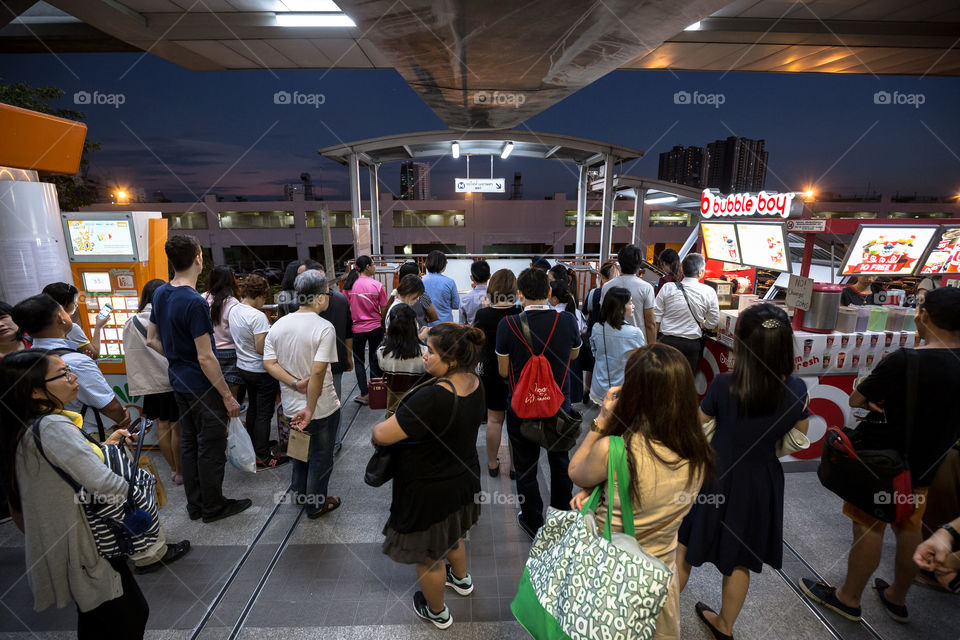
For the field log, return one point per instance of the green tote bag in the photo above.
(580, 584)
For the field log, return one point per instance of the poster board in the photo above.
(944, 254)
(100, 237)
(720, 241)
(764, 245)
(887, 250)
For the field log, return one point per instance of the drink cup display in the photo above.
(826, 361)
(844, 341)
(903, 338)
(830, 342)
(859, 340)
(840, 359)
(916, 339)
(888, 339)
(807, 347)
(873, 340)
(869, 359)
(856, 360)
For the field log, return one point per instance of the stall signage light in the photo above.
(713, 205)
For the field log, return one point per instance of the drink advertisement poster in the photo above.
(945, 256)
(764, 245)
(892, 251)
(720, 241)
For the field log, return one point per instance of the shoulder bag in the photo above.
(703, 331)
(381, 466)
(581, 583)
(862, 466)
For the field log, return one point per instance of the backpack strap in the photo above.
(60, 472)
(139, 325)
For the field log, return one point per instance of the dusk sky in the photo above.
(184, 132)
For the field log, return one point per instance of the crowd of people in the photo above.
(706, 485)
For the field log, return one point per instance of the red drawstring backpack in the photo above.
(535, 394)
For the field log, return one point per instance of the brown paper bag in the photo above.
(298, 446)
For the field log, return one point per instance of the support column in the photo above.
(582, 187)
(355, 204)
(374, 210)
(639, 195)
(606, 223)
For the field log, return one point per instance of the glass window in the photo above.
(256, 219)
(669, 219)
(621, 218)
(929, 214)
(187, 220)
(844, 214)
(338, 219)
(441, 218)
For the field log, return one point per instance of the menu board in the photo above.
(764, 245)
(887, 250)
(945, 255)
(96, 281)
(100, 238)
(720, 241)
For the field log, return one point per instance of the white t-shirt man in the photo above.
(296, 341)
(641, 293)
(246, 323)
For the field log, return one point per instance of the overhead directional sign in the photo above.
(479, 185)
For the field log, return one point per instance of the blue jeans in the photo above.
(311, 478)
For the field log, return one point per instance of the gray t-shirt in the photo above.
(641, 292)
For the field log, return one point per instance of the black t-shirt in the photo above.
(338, 314)
(566, 338)
(936, 426)
(487, 320)
(437, 467)
(850, 296)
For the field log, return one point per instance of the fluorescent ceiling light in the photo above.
(507, 150)
(694, 27)
(660, 200)
(455, 149)
(314, 20)
(312, 5)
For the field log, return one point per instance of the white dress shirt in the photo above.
(675, 317)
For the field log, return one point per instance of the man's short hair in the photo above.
(436, 261)
(181, 251)
(942, 304)
(62, 292)
(534, 284)
(693, 264)
(313, 265)
(630, 258)
(540, 263)
(36, 314)
(309, 285)
(409, 269)
(480, 270)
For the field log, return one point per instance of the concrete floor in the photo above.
(331, 581)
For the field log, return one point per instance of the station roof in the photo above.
(493, 65)
(526, 144)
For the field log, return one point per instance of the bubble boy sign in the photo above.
(747, 204)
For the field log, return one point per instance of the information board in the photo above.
(97, 282)
(945, 255)
(763, 245)
(720, 241)
(97, 240)
(887, 250)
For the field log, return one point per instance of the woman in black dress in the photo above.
(436, 470)
(502, 293)
(736, 523)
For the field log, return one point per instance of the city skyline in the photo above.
(184, 133)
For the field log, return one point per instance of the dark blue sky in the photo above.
(222, 130)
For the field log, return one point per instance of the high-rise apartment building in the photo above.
(685, 165)
(414, 180)
(737, 165)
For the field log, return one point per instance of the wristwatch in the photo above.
(953, 533)
(595, 427)
(296, 381)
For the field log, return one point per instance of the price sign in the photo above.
(799, 292)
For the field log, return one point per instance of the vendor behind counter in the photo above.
(858, 291)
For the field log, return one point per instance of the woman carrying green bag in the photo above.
(655, 412)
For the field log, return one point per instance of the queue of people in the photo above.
(706, 485)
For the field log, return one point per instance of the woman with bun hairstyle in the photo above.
(436, 469)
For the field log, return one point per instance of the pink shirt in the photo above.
(221, 332)
(366, 297)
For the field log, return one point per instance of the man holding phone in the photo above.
(181, 329)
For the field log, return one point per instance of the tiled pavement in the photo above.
(331, 581)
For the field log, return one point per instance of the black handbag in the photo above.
(559, 432)
(862, 466)
(380, 468)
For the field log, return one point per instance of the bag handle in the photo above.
(689, 306)
(618, 474)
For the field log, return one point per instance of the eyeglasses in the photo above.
(66, 371)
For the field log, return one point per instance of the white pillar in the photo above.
(355, 204)
(639, 196)
(374, 210)
(606, 223)
(582, 187)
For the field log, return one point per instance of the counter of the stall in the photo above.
(830, 364)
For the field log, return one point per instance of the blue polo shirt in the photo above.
(182, 315)
(443, 291)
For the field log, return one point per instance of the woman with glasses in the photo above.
(62, 561)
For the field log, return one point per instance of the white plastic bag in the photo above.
(240, 451)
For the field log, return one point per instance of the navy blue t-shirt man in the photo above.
(562, 347)
(181, 329)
